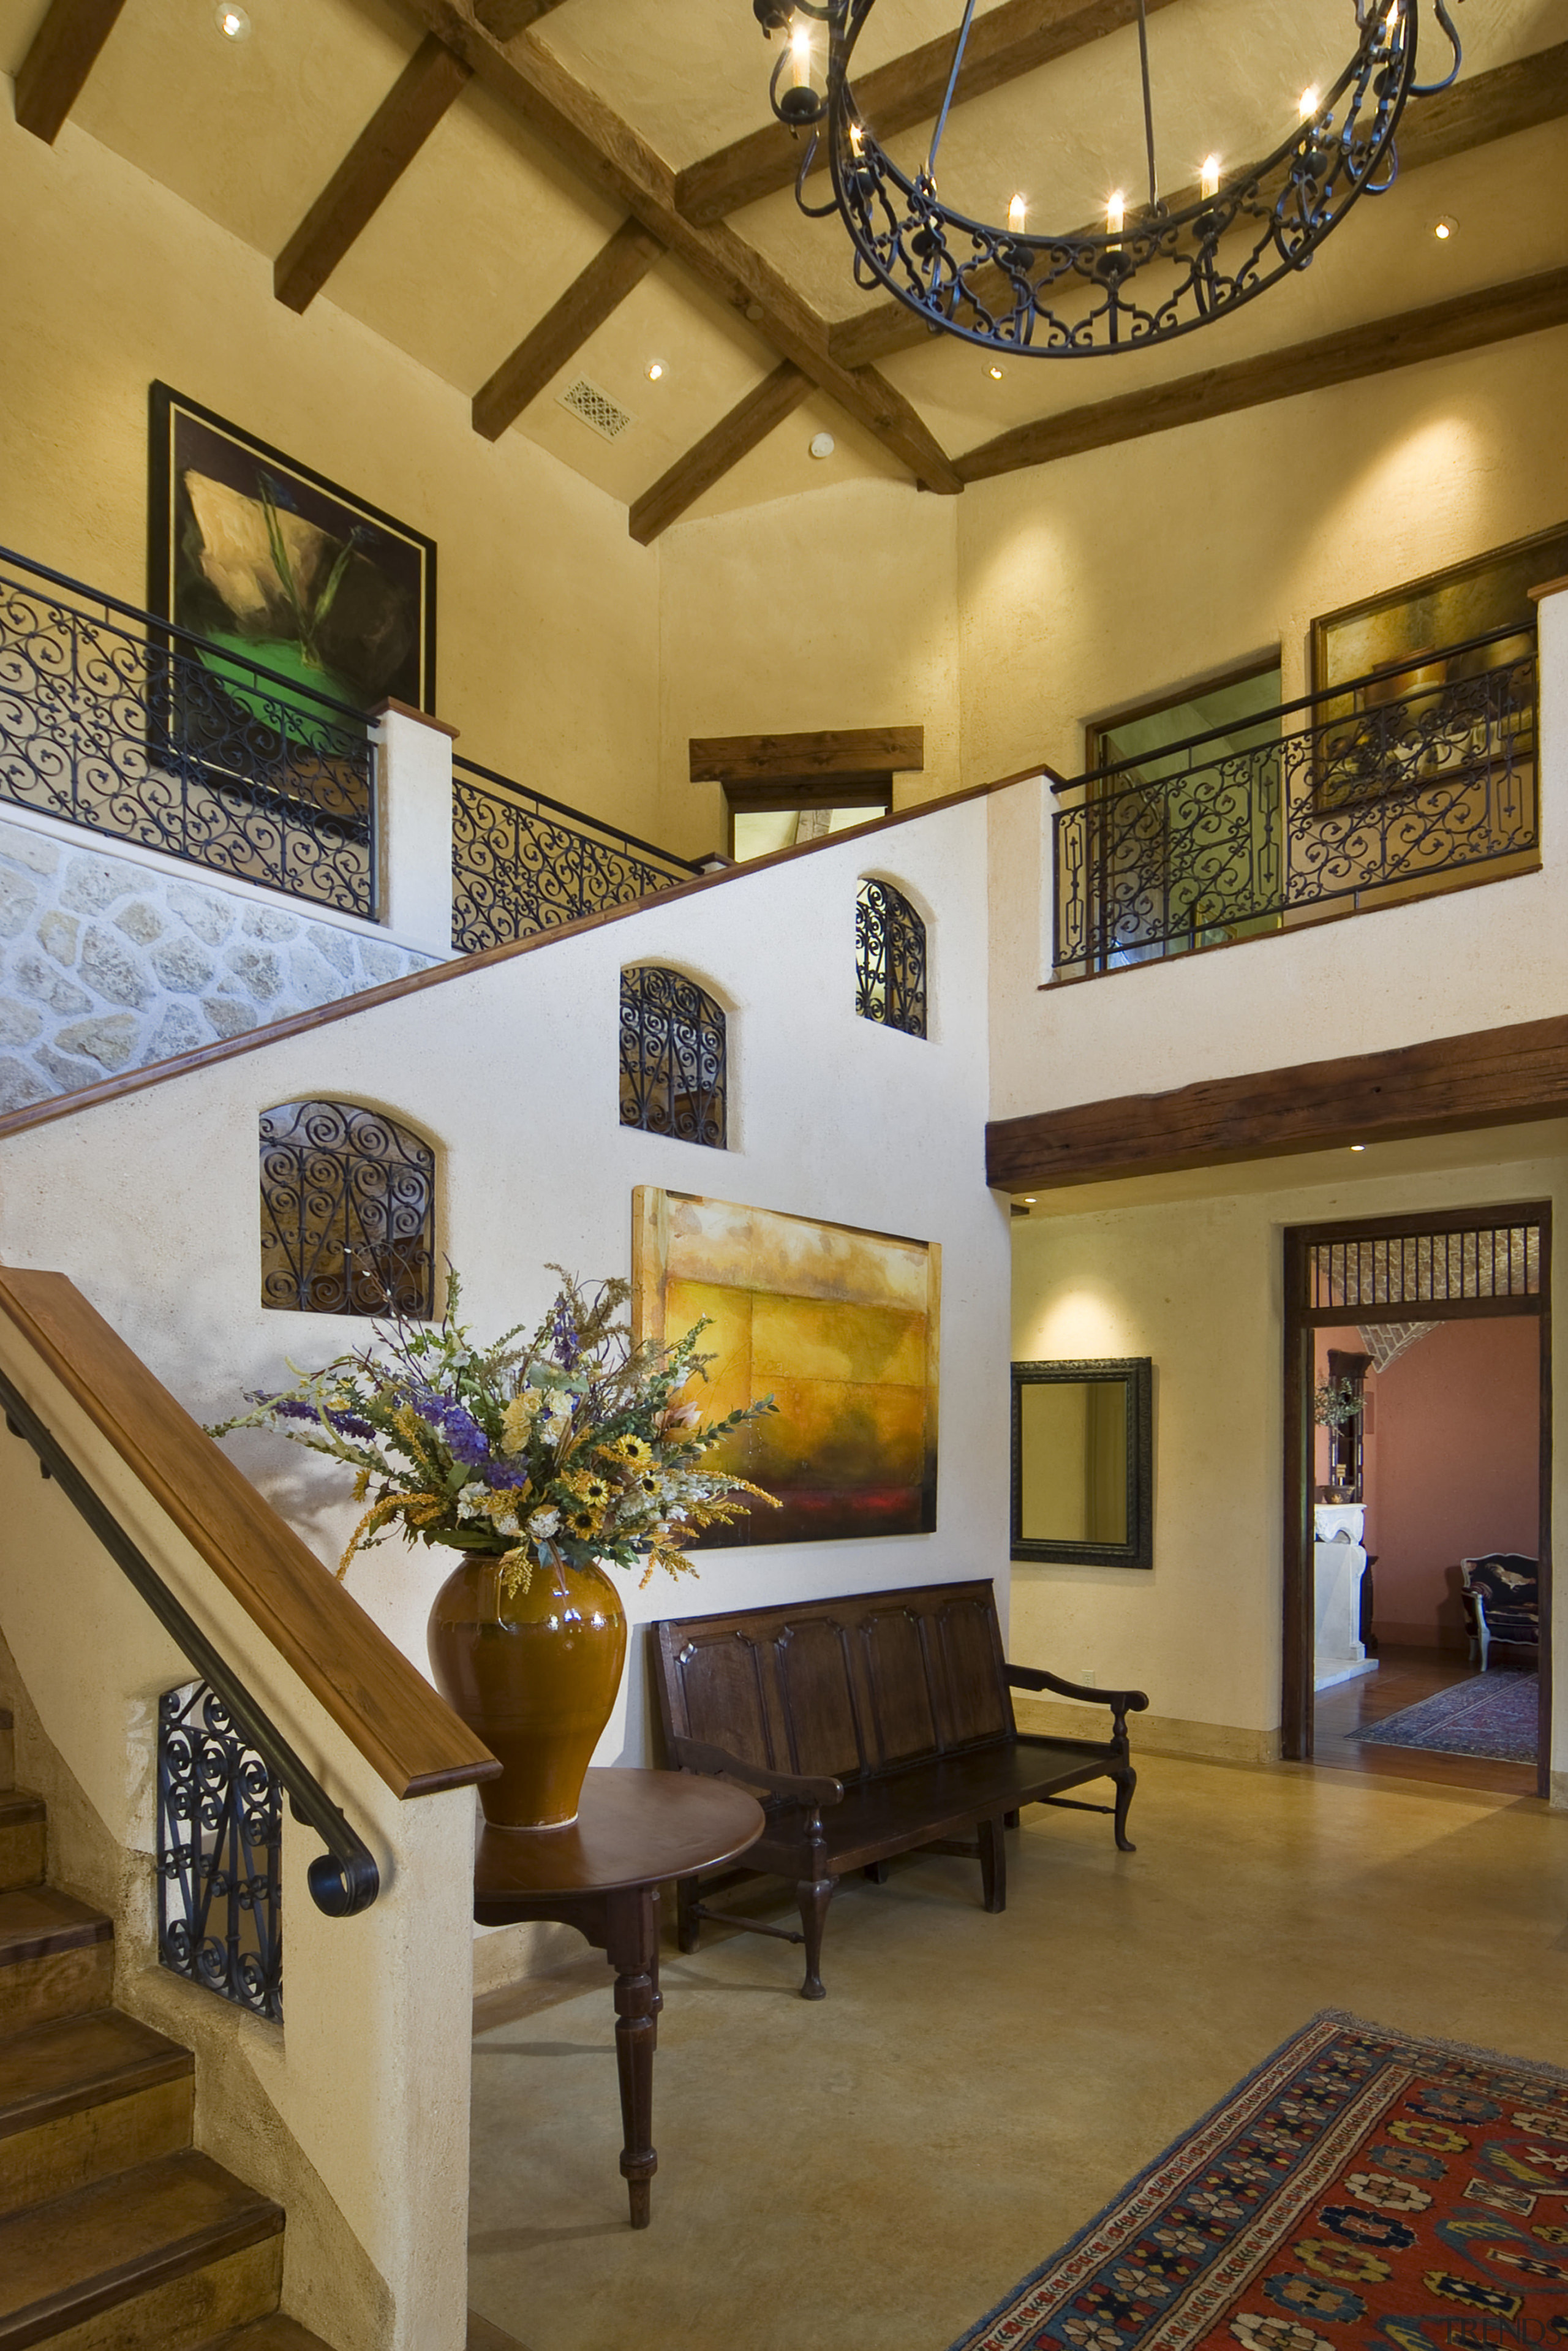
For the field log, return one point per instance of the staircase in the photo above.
(115, 2234)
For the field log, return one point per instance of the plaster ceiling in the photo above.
(490, 225)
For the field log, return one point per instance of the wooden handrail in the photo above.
(382, 1703)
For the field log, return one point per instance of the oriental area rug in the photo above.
(1362, 2188)
(1493, 1714)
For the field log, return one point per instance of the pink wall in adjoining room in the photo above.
(1457, 1422)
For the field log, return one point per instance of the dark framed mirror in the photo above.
(1082, 1462)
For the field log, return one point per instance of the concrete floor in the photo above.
(874, 2172)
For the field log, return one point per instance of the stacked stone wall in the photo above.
(107, 963)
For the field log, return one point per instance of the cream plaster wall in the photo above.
(513, 1071)
(839, 608)
(1100, 581)
(1059, 594)
(546, 612)
(1188, 1271)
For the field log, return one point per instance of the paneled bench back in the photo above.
(847, 1687)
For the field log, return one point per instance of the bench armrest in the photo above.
(1035, 1678)
(696, 1755)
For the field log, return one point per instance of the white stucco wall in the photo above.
(151, 1201)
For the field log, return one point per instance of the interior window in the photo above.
(763, 817)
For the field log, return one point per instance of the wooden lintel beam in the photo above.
(1518, 96)
(751, 420)
(587, 134)
(587, 301)
(63, 52)
(507, 18)
(1492, 1077)
(831, 751)
(1004, 43)
(1466, 322)
(427, 86)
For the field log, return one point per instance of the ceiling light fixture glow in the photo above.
(231, 22)
(656, 370)
(1444, 229)
(1162, 265)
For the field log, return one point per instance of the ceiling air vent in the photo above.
(595, 407)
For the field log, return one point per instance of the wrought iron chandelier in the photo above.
(1155, 270)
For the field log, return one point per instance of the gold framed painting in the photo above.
(1399, 656)
(841, 1327)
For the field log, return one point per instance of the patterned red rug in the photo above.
(1361, 2188)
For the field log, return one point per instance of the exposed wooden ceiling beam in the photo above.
(1514, 97)
(1490, 1077)
(587, 301)
(830, 751)
(1003, 44)
(64, 50)
(373, 167)
(1466, 323)
(751, 420)
(507, 18)
(587, 134)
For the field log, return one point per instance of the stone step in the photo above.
(273, 2334)
(84, 2097)
(24, 1832)
(7, 1749)
(164, 2257)
(56, 1957)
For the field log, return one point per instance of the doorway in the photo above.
(1361, 1299)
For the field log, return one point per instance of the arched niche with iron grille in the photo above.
(673, 1056)
(348, 1211)
(890, 958)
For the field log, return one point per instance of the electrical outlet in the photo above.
(1090, 1681)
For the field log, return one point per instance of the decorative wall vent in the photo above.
(594, 405)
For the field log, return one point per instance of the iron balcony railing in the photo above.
(523, 862)
(115, 719)
(1379, 790)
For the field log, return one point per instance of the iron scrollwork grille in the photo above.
(673, 1077)
(115, 720)
(348, 1212)
(890, 959)
(522, 863)
(1387, 786)
(220, 1841)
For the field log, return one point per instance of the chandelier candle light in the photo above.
(1157, 270)
(543, 1461)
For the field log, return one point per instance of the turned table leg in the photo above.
(632, 1949)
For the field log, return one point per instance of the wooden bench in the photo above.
(871, 1726)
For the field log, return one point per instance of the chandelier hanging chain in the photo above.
(1144, 277)
(959, 46)
(1148, 102)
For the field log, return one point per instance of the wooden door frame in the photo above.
(1300, 1322)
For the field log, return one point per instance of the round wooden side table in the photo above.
(601, 1875)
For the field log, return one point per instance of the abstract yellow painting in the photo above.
(841, 1327)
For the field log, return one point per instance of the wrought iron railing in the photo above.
(119, 721)
(223, 1770)
(522, 862)
(1381, 789)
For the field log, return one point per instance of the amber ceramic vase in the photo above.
(535, 1675)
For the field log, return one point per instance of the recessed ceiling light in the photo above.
(821, 444)
(231, 22)
(656, 370)
(1029, 1199)
(1445, 228)
(995, 374)
(1358, 1146)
